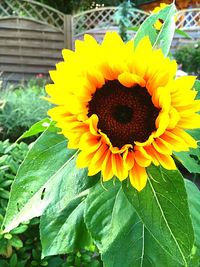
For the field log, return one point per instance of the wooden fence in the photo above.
(28, 48)
(32, 35)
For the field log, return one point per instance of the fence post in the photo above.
(68, 36)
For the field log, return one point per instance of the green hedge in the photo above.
(189, 58)
(20, 108)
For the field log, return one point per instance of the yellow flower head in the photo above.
(121, 106)
(159, 22)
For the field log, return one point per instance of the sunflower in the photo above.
(122, 108)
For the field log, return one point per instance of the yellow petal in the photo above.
(84, 159)
(107, 172)
(188, 139)
(128, 158)
(138, 177)
(118, 167)
(130, 80)
(166, 161)
(190, 122)
(96, 162)
(141, 160)
(174, 118)
(162, 123)
(162, 146)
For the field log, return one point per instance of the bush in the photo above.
(21, 247)
(20, 108)
(189, 58)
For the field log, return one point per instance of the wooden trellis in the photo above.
(32, 10)
(32, 34)
(188, 19)
(103, 18)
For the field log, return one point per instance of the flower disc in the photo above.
(122, 107)
(125, 114)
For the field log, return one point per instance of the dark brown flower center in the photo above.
(125, 114)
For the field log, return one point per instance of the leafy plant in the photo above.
(20, 108)
(123, 18)
(189, 58)
(21, 247)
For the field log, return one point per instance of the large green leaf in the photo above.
(164, 36)
(38, 127)
(44, 163)
(63, 220)
(194, 206)
(118, 232)
(65, 229)
(163, 208)
(38, 180)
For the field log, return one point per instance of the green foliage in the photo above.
(123, 18)
(20, 108)
(66, 205)
(165, 197)
(189, 58)
(164, 36)
(21, 247)
(117, 230)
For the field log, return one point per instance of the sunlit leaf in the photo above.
(163, 208)
(37, 128)
(162, 38)
(194, 206)
(119, 233)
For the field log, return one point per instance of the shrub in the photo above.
(20, 108)
(189, 58)
(21, 247)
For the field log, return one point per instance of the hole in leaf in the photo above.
(43, 193)
(18, 208)
(161, 20)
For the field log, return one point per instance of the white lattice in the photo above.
(32, 10)
(188, 19)
(103, 18)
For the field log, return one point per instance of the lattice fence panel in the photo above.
(188, 19)
(97, 18)
(102, 18)
(32, 10)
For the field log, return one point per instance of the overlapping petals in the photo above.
(85, 71)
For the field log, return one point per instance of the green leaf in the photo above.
(38, 127)
(197, 88)
(19, 230)
(118, 232)
(16, 242)
(13, 260)
(183, 33)
(164, 36)
(135, 28)
(194, 206)
(65, 229)
(197, 85)
(63, 220)
(36, 182)
(163, 208)
(191, 159)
